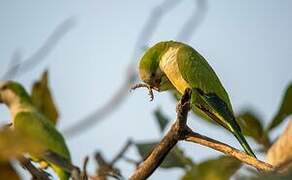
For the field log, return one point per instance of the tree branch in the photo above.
(228, 150)
(36, 173)
(152, 162)
(120, 155)
(180, 131)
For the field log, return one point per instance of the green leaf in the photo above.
(284, 110)
(221, 168)
(251, 125)
(7, 171)
(43, 100)
(175, 157)
(161, 119)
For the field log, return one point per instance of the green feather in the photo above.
(208, 91)
(32, 123)
(185, 68)
(37, 125)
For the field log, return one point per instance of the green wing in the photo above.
(209, 94)
(37, 126)
(199, 74)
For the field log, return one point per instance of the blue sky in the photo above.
(248, 43)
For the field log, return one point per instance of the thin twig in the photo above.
(84, 174)
(122, 152)
(105, 169)
(131, 161)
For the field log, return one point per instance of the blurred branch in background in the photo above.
(142, 41)
(193, 22)
(18, 66)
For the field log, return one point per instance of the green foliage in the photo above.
(284, 110)
(175, 158)
(221, 168)
(250, 124)
(42, 98)
(162, 120)
(7, 171)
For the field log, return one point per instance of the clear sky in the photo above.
(248, 43)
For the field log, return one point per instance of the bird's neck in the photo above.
(168, 64)
(19, 107)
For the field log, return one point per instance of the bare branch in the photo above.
(122, 152)
(228, 150)
(84, 174)
(36, 173)
(105, 169)
(152, 162)
(180, 131)
(17, 66)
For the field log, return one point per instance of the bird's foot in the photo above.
(150, 89)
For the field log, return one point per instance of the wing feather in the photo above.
(199, 74)
(36, 125)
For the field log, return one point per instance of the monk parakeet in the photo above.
(174, 65)
(28, 120)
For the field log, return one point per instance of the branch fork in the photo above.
(181, 132)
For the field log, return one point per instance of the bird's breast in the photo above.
(168, 64)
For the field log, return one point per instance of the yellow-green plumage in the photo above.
(183, 67)
(29, 121)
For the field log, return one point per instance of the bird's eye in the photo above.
(152, 74)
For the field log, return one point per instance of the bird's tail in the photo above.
(219, 111)
(63, 175)
(243, 143)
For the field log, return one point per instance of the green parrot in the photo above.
(175, 65)
(28, 120)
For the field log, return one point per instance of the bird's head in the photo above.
(149, 70)
(12, 92)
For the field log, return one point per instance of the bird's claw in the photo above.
(141, 85)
